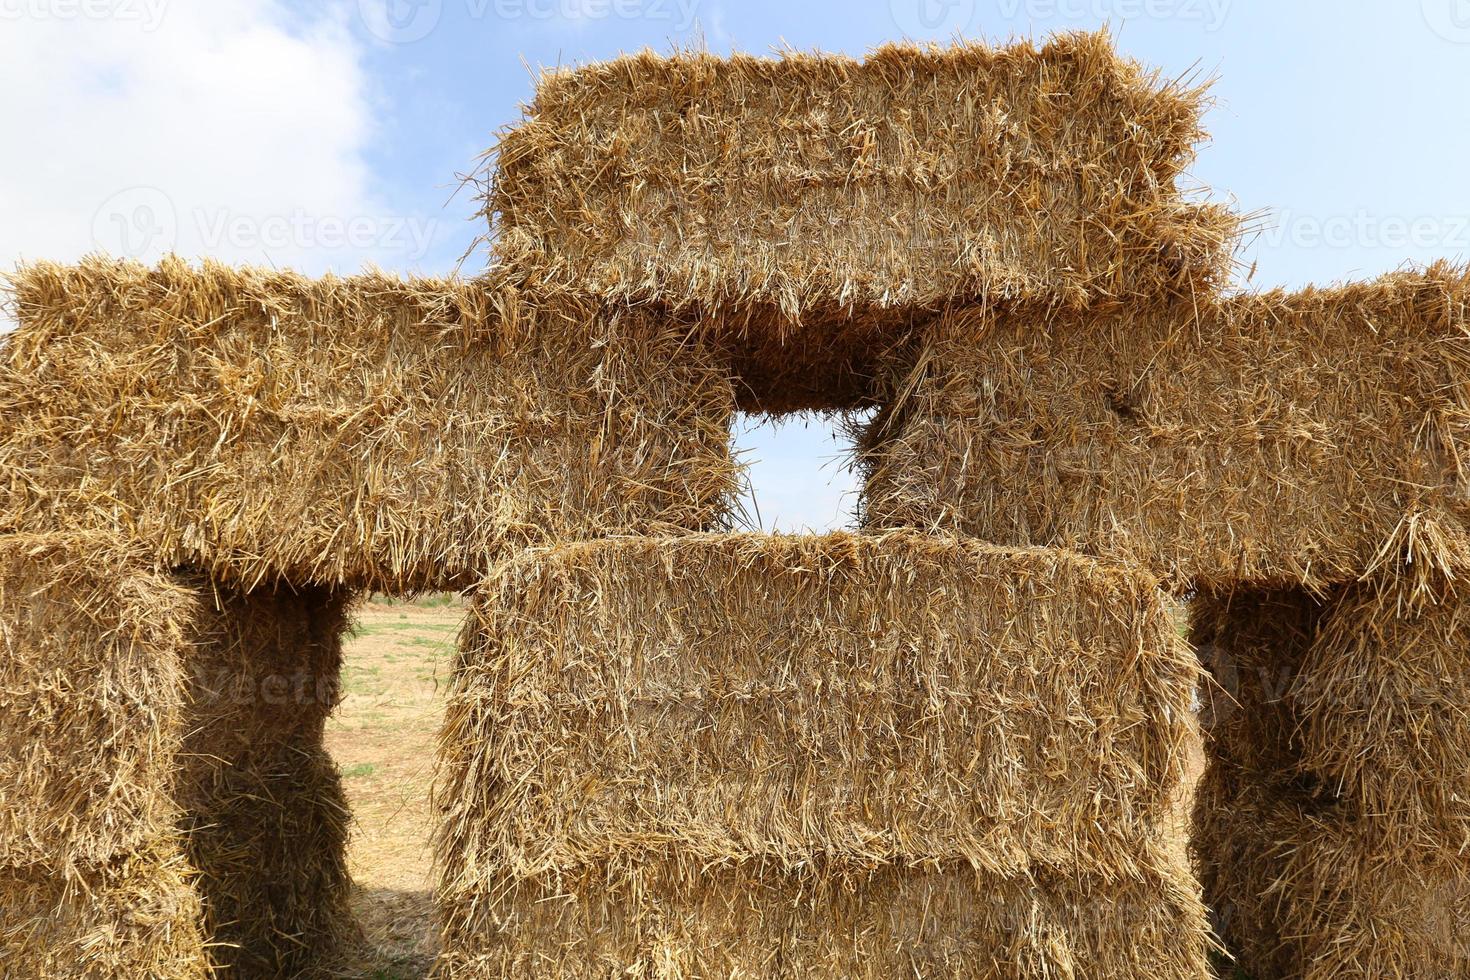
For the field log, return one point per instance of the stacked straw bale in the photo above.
(809, 209)
(1303, 890)
(367, 432)
(264, 812)
(815, 756)
(92, 686)
(1334, 831)
(1275, 439)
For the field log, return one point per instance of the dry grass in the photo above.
(684, 737)
(806, 210)
(1271, 440)
(367, 431)
(395, 668)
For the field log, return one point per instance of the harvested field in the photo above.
(395, 676)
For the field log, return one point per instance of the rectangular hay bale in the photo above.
(1278, 439)
(1310, 893)
(830, 201)
(658, 716)
(369, 431)
(93, 655)
(137, 916)
(93, 647)
(745, 920)
(263, 810)
(1358, 697)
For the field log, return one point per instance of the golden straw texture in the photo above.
(369, 432)
(823, 715)
(92, 649)
(1274, 439)
(134, 917)
(811, 205)
(1305, 892)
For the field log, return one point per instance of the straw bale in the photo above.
(1359, 697)
(1305, 892)
(136, 916)
(264, 812)
(367, 431)
(91, 685)
(854, 724)
(809, 206)
(887, 699)
(1252, 643)
(1276, 439)
(752, 920)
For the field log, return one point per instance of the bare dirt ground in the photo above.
(394, 677)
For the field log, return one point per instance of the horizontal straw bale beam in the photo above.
(887, 699)
(1360, 698)
(749, 921)
(1274, 439)
(1305, 892)
(263, 807)
(799, 195)
(92, 651)
(722, 727)
(136, 916)
(368, 431)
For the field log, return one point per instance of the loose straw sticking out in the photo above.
(135, 916)
(821, 716)
(93, 649)
(368, 432)
(1301, 891)
(1359, 697)
(1277, 439)
(814, 187)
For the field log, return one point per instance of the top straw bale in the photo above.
(788, 195)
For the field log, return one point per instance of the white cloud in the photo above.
(234, 129)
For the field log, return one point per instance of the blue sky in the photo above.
(328, 135)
